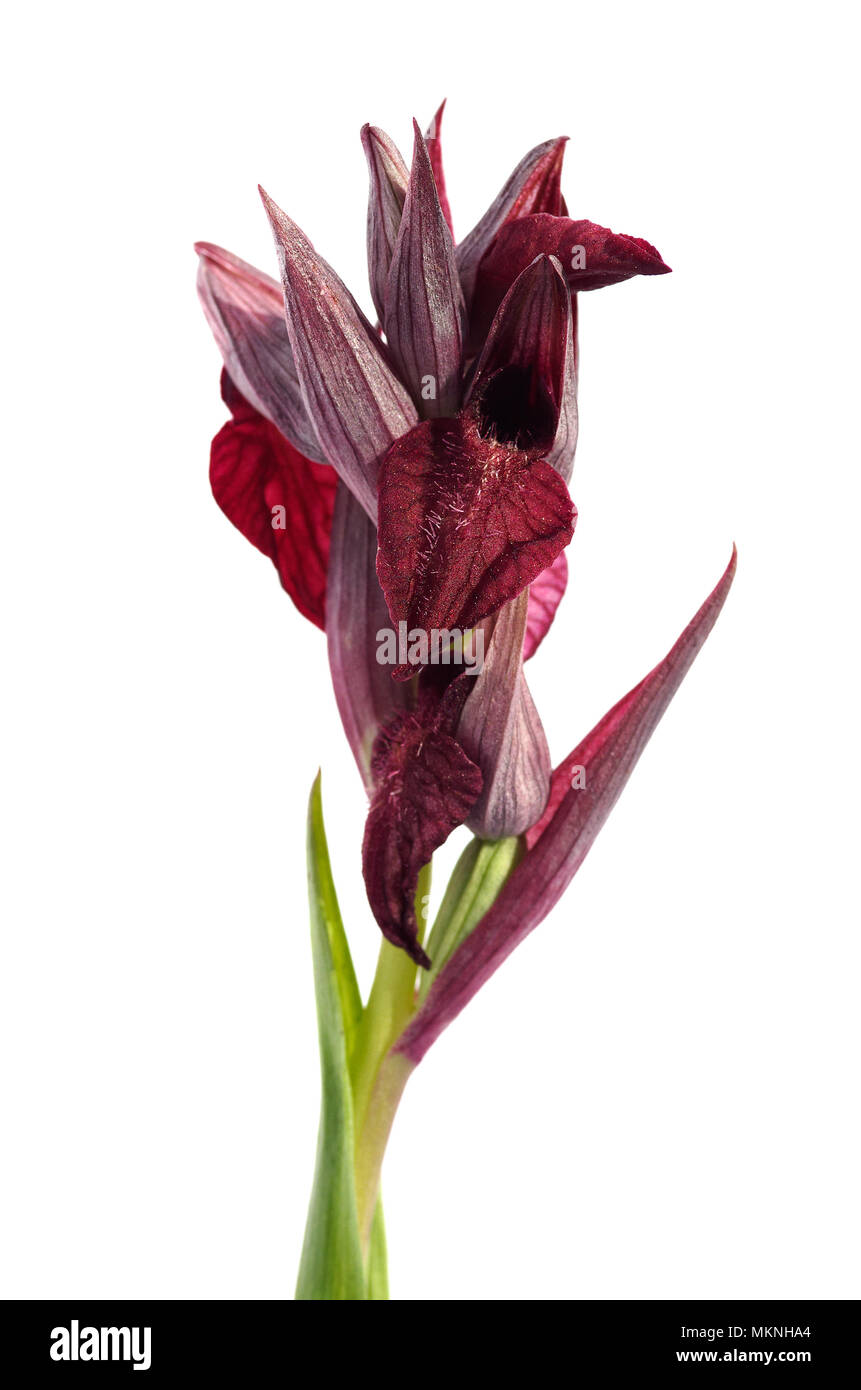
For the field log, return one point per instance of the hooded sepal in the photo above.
(466, 522)
(502, 733)
(388, 176)
(425, 314)
(356, 401)
(281, 501)
(578, 807)
(534, 186)
(526, 364)
(561, 455)
(245, 310)
(425, 787)
(366, 695)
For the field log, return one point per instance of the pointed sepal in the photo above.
(433, 138)
(585, 789)
(245, 310)
(533, 187)
(388, 175)
(425, 313)
(353, 396)
(366, 695)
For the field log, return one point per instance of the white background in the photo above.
(657, 1095)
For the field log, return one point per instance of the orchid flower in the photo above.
(409, 479)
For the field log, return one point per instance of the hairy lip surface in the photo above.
(465, 524)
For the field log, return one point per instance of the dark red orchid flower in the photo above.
(413, 477)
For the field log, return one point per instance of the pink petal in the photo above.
(545, 595)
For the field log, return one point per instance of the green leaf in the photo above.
(478, 878)
(332, 1266)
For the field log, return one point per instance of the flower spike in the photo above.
(409, 480)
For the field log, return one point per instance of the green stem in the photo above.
(389, 1006)
(378, 1080)
(373, 1137)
